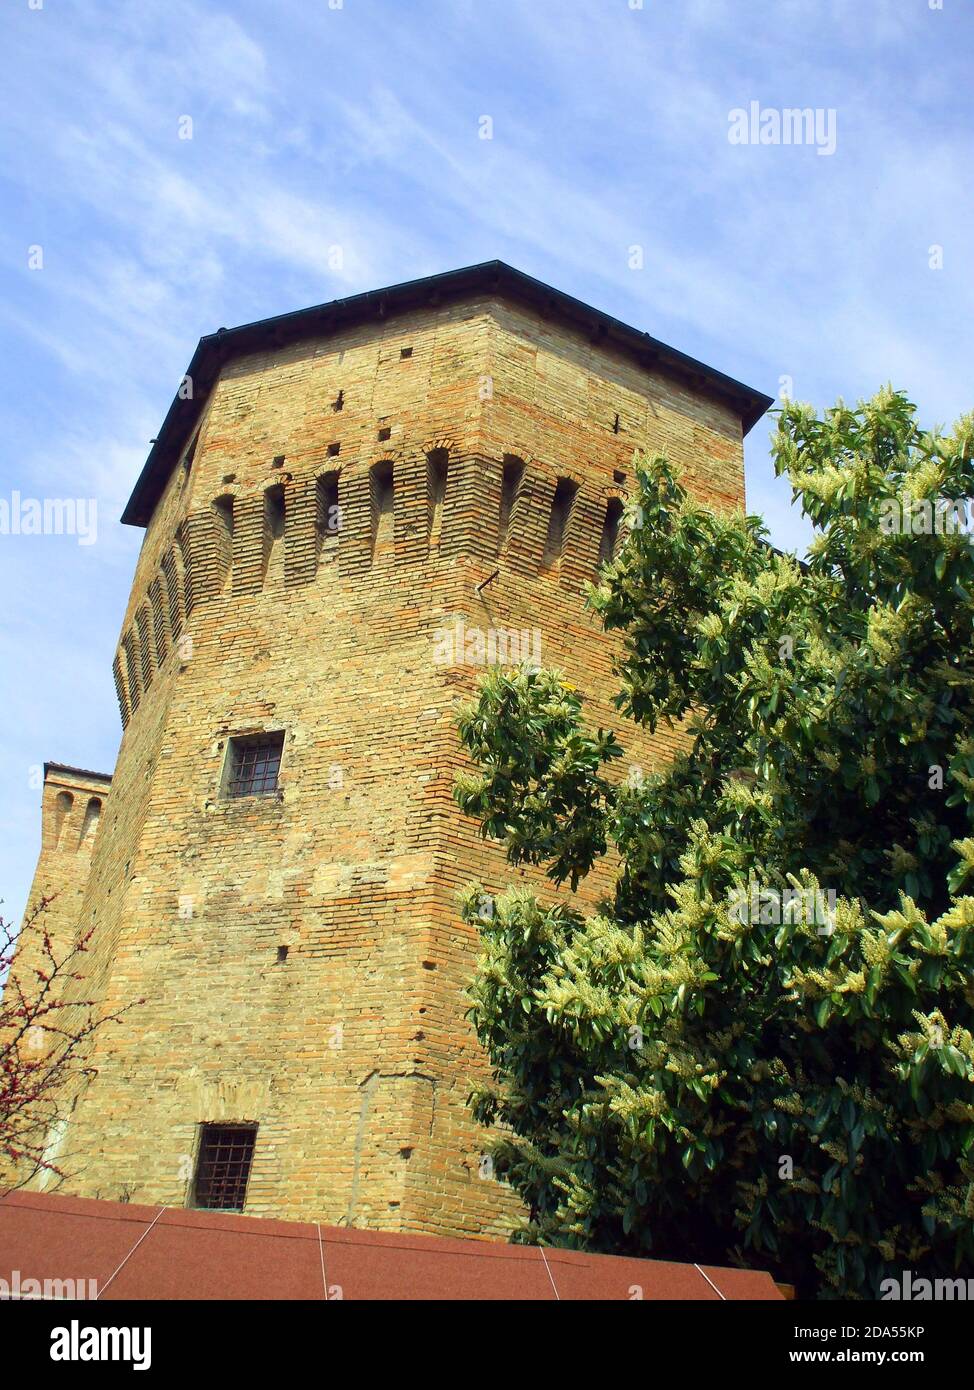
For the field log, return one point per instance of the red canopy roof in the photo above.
(172, 1253)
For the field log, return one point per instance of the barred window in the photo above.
(253, 765)
(223, 1166)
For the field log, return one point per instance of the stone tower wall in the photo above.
(72, 803)
(353, 1053)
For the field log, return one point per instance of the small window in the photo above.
(561, 509)
(172, 568)
(385, 432)
(274, 522)
(513, 472)
(89, 826)
(253, 765)
(405, 352)
(223, 535)
(610, 530)
(223, 1166)
(383, 503)
(145, 645)
(328, 521)
(189, 456)
(62, 808)
(158, 619)
(437, 465)
(132, 669)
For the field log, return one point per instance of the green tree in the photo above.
(760, 1049)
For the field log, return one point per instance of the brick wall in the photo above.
(72, 802)
(352, 1053)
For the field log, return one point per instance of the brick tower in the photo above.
(325, 509)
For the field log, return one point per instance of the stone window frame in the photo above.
(209, 1129)
(235, 738)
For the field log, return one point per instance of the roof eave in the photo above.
(86, 772)
(492, 277)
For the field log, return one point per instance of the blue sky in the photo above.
(316, 125)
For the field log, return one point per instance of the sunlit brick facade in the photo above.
(325, 511)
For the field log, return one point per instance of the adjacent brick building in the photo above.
(347, 511)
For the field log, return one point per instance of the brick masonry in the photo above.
(72, 801)
(249, 614)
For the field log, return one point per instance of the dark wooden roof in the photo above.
(490, 277)
(141, 1252)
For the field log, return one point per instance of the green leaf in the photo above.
(803, 770)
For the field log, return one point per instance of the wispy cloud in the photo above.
(359, 127)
